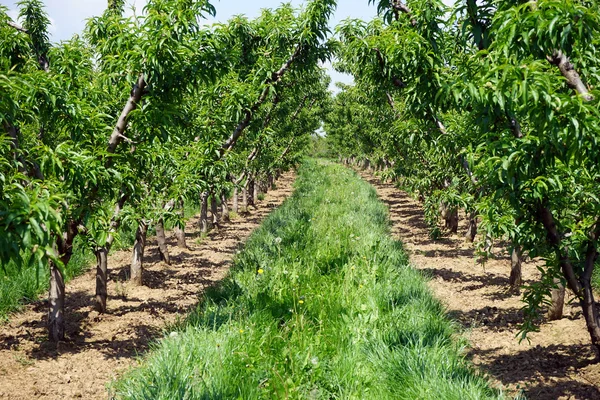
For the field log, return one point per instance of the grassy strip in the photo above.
(320, 304)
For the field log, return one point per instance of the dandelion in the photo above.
(352, 268)
(360, 286)
(277, 240)
(241, 331)
(260, 271)
(301, 302)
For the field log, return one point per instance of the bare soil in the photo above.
(101, 346)
(556, 363)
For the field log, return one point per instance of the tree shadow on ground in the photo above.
(550, 362)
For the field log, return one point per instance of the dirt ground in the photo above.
(557, 363)
(100, 347)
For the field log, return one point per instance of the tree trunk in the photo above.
(590, 313)
(557, 295)
(180, 230)
(450, 216)
(452, 221)
(137, 259)
(235, 200)
(255, 192)
(204, 212)
(270, 182)
(472, 229)
(214, 210)
(245, 197)
(516, 276)
(56, 301)
(251, 193)
(224, 207)
(163, 249)
(101, 278)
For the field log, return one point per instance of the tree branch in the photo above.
(17, 27)
(567, 69)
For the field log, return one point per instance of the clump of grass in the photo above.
(233, 215)
(261, 196)
(320, 304)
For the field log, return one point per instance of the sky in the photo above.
(68, 17)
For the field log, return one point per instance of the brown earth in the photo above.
(101, 346)
(556, 363)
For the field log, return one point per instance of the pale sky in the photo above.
(68, 16)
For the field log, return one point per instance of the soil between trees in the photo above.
(99, 347)
(557, 362)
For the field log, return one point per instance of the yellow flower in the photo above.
(260, 270)
(360, 286)
(301, 302)
(241, 331)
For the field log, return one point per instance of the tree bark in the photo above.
(472, 228)
(224, 207)
(56, 292)
(250, 193)
(235, 200)
(137, 260)
(452, 220)
(180, 230)
(516, 277)
(161, 238)
(102, 257)
(214, 210)
(56, 302)
(245, 197)
(567, 69)
(271, 182)
(101, 278)
(557, 294)
(117, 135)
(204, 212)
(255, 191)
(450, 216)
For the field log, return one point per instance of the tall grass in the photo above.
(321, 304)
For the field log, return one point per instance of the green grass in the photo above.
(20, 285)
(321, 304)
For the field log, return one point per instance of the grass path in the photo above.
(321, 304)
